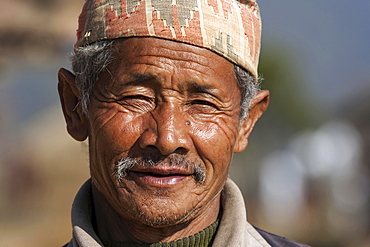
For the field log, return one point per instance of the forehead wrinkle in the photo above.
(137, 78)
(129, 75)
(163, 53)
(182, 52)
(163, 57)
(164, 61)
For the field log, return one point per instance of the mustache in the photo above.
(125, 164)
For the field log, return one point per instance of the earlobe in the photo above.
(69, 96)
(257, 107)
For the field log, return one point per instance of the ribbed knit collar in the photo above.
(203, 238)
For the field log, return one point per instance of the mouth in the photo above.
(160, 177)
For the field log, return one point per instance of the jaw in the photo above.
(154, 217)
(161, 200)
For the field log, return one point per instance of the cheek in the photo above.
(113, 133)
(214, 142)
(220, 134)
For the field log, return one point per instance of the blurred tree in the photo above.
(292, 105)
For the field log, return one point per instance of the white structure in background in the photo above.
(330, 154)
(282, 186)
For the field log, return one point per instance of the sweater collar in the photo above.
(201, 239)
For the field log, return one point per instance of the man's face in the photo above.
(173, 110)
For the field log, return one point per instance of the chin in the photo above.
(164, 221)
(160, 213)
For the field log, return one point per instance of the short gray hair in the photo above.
(249, 87)
(89, 61)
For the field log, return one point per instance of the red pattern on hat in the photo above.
(231, 28)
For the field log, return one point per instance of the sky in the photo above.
(330, 40)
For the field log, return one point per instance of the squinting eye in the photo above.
(137, 97)
(136, 101)
(202, 102)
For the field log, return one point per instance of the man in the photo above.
(166, 92)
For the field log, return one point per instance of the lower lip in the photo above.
(159, 181)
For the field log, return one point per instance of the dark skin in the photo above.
(166, 99)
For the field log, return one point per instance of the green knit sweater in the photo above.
(203, 238)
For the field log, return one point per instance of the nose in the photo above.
(167, 131)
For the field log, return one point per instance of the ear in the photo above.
(69, 96)
(257, 107)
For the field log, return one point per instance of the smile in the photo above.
(160, 177)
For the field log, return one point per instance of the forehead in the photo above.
(167, 60)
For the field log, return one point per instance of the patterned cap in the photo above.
(231, 28)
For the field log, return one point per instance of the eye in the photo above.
(201, 107)
(136, 98)
(139, 97)
(137, 102)
(202, 102)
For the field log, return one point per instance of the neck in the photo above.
(111, 225)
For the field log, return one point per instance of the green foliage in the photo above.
(292, 106)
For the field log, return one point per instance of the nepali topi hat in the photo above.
(231, 28)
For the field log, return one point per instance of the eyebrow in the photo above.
(135, 79)
(201, 88)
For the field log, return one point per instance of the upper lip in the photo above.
(165, 171)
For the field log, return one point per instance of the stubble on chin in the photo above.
(158, 212)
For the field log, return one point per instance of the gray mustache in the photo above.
(125, 164)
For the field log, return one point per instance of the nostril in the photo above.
(151, 147)
(181, 150)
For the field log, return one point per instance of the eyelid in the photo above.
(204, 103)
(137, 97)
(205, 96)
(133, 91)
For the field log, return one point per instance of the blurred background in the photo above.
(305, 174)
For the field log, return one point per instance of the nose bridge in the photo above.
(166, 117)
(171, 128)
